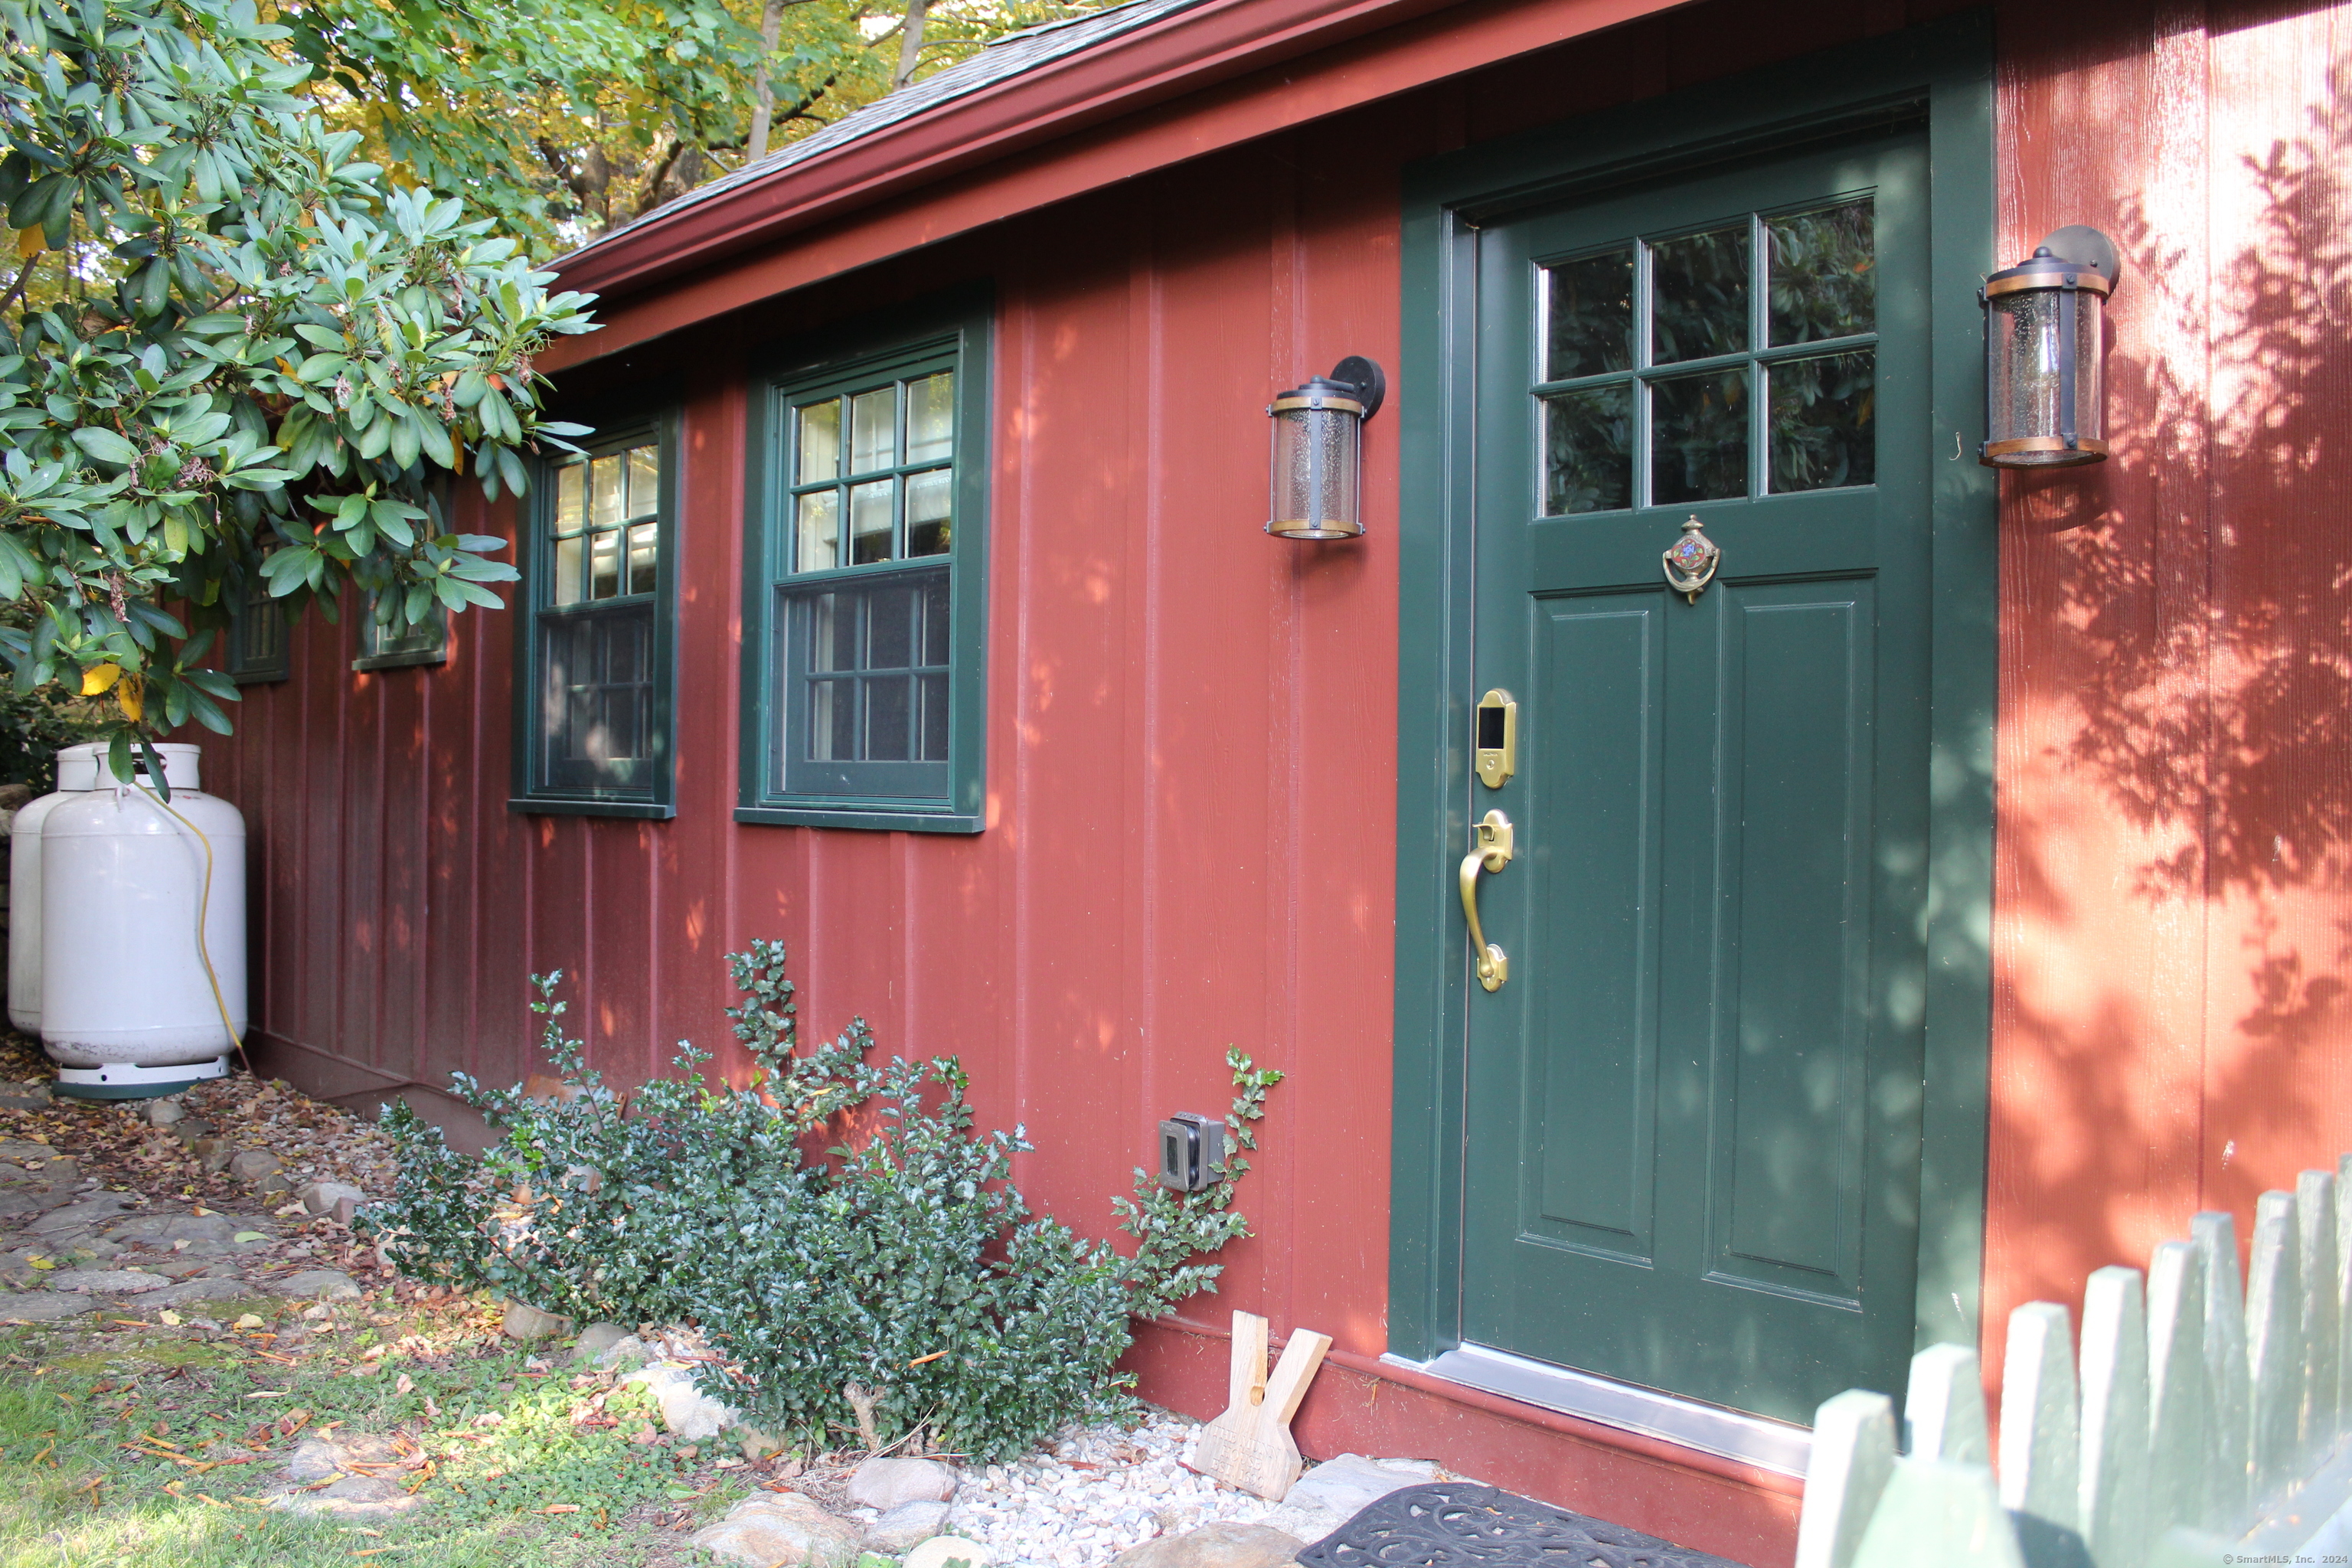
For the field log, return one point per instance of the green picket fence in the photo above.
(2199, 1423)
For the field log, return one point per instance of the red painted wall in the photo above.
(1191, 726)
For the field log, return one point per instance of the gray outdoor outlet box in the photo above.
(1192, 1151)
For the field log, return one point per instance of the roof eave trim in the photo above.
(1189, 50)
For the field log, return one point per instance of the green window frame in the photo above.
(595, 660)
(257, 647)
(864, 590)
(381, 648)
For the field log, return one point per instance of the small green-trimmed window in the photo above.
(594, 712)
(258, 643)
(381, 647)
(866, 590)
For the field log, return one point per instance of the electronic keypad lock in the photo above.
(1497, 738)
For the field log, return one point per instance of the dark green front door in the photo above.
(1693, 1108)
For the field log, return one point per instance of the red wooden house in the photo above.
(1943, 900)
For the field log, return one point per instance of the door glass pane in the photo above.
(820, 442)
(1588, 315)
(641, 540)
(873, 434)
(1698, 436)
(1698, 287)
(566, 587)
(1823, 431)
(818, 532)
(645, 480)
(869, 523)
(604, 565)
(604, 484)
(1588, 451)
(1824, 273)
(926, 512)
(570, 497)
(930, 417)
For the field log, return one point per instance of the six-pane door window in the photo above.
(1735, 362)
(600, 711)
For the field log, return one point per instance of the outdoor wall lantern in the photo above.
(1318, 451)
(2043, 321)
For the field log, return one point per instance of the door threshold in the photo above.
(1755, 1440)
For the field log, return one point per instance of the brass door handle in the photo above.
(1490, 851)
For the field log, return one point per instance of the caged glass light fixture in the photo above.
(1318, 451)
(2044, 318)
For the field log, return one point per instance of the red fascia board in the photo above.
(1178, 54)
(1219, 115)
(1185, 53)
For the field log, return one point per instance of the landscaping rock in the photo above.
(902, 1528)
(84, 1214)
(315, 1285)
(106, 1281)
(45, 1306)
(353, 1496)
(626, 1351)
(885, 1483)
(200, 1289)
(24, 1096)
(528, 1323)
(316, 1458)
(164, 1112)
(213, 1153)
(685, 1411)
(20, 1203)
(21, 1151)
(780, 1530)
(941, 1551)
(757, 1444)
(1211, 1546)
(217, 1228)
(1331, 1494)
(321, 1198)
(252, 1164)
(596, 1339)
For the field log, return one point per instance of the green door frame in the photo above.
(1940, 75)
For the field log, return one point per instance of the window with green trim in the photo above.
(258, 640)
(866, 596)
(593, 709)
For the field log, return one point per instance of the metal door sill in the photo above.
(1728, 1434)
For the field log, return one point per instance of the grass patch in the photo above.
(113, 1438)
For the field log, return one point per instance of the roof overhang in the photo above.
(1364, 50)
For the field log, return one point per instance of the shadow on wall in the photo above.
(2199, 688)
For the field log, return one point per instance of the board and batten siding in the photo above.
(1191, 727)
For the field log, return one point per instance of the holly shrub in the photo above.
(893, 1288)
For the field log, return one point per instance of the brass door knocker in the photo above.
(1691, 562)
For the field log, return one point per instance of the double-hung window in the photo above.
(593, 702)
(867, 581)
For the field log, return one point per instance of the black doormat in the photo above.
(1459, 1525)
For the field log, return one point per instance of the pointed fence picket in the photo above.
(2193, 1412)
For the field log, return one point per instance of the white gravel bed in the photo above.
(1095, 1492)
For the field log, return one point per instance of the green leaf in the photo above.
(106, 446)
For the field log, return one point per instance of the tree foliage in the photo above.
(237, 348)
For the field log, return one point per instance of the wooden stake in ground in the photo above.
(1250, 1445)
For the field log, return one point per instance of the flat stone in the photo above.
(1211, 1546)
(902, 1528)
(164, 1112)
(45, 1306)
(315, 1285)
(1332, 1493)
(171, 1227)
(596, 1339)
(321, 1198)
(945, 1551)
(528, 1323)
(199, 1290)
(626, 1351)
(20, 1203)
(106, 1281)
(685, 1411)
(252, 1164)
(94, 1211)
(780, 1530)
(21, 1151)
(884, 1484)
(16, 1175)
(353, 1496)
(316, 1459)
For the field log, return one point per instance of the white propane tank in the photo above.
(76, 774)
(128, 1008)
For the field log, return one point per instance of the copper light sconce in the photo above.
(2044, 402)
(1318, 451)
